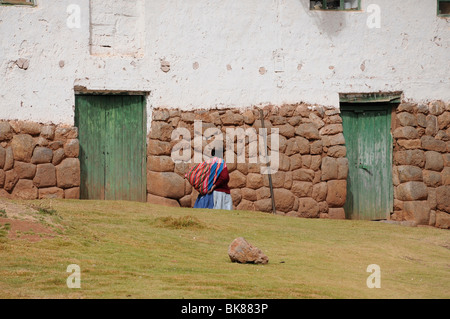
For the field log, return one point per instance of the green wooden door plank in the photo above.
(90, 120)
(126, 149)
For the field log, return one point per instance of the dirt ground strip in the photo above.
(25, 222)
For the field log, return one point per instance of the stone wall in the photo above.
(310, 182)
(38, 161)
(421, 163)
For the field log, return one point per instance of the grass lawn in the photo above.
(138, 250)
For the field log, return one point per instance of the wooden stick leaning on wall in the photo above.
(261, 113)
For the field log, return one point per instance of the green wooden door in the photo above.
(111, 131)
(369, 153)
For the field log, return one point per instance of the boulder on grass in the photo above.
(242, 251)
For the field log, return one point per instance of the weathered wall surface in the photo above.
(216, 54)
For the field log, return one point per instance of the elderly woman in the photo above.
(218, 196)
(221, 191)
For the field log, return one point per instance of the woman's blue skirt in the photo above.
(205, 201)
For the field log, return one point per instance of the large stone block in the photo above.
(68, 173)
(410, 144)
(336, 193)
(42, 155)
(28, 127)
(407, 173)
(329, 168)
(22, 147)
(158, 200)
(161, 131)
(316, 147)
(434, 161)
(231, 118)
(284, 199)
(436, 107)
(277, 119)
(302, 189)
(160, 164)
(156, 147)
(24, 170)
(443, 198)
(165, 184)
(331, 129)
(246, 205)
(11, 178)
(336, 213)
(407, 119)
(58, 156)
(160, 115)
(308, 208)
(319, 192)
(432, 178)
(264, 205)
(431, 125)
(405, 107)
(249, 194)
(184, 201)
(412, 191)
(407, 132)
(25, 189)
(342, 164)
(308, 130)
(446, 176)
(263, 193)
(2, 157)
(236, 196)
(45, 175)
(48, 132)
(331, 140)
(337, 151)
(410, 157)
(442, 220)
(431, 144)
(72, 193)
(306, 175)
(237, 180)
(297, 145)
(254, 180)
(444, 120)
(278, 179)
(5, 131)
(295, 162)
(419, 210)
(50, 193)
(72, 148)
(286, 130)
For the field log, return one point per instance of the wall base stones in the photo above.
(421, 164)
(38, 161)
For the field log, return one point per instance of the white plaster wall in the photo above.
(318, 55)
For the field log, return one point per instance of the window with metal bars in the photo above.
(443, 7)
(18, 2)
(345, 5)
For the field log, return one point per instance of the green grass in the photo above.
(138, 250)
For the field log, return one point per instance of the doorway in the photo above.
(367, 131)
(112, 135)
